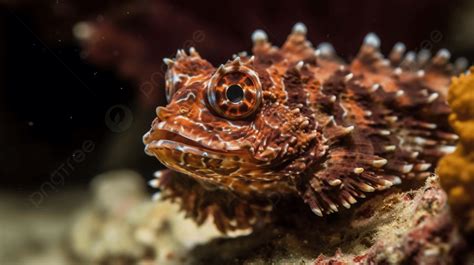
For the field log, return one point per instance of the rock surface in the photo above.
(401, 226)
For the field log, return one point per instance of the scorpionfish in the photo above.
(297, 122)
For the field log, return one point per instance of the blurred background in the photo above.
(80, 80)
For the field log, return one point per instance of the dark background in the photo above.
(58, 89)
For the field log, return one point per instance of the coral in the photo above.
(456, 170)
(461, 98)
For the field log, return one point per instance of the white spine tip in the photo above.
(399, 47)
(410, 56)
(432, 97)
(168, 61)
(220, 69)
(423, 166)
(317, 212)
(335, 182)
(447, 149)
(348, 77)
(259, 35)
(349, 129)
(243, 54)
(237, 60)
(398, 71)
(252, 59)
(391, 119)
(158, 174)
(366, 187)
(387, 183)
(154, 183)
(300, 28)
(461, 64)
(390, 148)
(180, 53)
(351, 199)
(372, 39)
(333, 207)
(346, 204)
(399, 93)
(326, 49)
(444, 53)
(397, 181)
(407, 168)
(379, 163)
(156, 196)
(374, 88)
(299, 65)
(423, 56)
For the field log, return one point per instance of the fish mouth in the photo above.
(168, 139)
(187, 156)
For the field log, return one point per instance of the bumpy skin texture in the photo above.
(304, 124)
(457, 169)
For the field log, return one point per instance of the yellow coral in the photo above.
(456, 170)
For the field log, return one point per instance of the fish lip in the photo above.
(169, 130)
(163, 150)
(166, 138)
(197, 150)
(174, 154)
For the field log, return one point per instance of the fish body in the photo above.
(298, 122)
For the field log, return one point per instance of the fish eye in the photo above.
(234, 93)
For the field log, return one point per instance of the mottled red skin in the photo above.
(309, 126)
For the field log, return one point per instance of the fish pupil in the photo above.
(235, 93)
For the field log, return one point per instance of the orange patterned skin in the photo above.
(297, 122)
